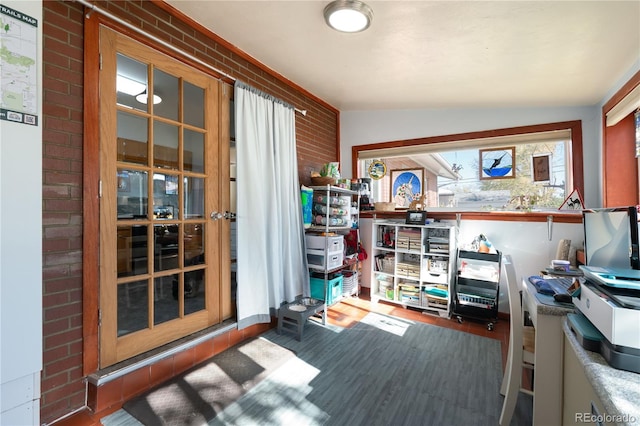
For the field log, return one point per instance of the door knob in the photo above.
(216, 215)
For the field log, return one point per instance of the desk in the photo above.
(547, 317)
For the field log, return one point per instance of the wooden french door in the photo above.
(164, 171)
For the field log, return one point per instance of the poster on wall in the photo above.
(18, 67)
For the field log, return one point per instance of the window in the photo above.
(532, 170)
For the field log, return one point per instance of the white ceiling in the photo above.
(438, 54)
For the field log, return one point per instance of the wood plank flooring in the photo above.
(347, 313)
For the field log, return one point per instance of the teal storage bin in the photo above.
(334, 288)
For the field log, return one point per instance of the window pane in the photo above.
(165, 90)
(132, 138)
(193, 198)
(165, 145)
(193, 105)
(193, 151)
(133, 307)
(132, 194)
(131, 81)
(193, 244)
(194, 291)
(132, 250)
(165, 196)
(452, 177)
(166, 245)
(165, 305)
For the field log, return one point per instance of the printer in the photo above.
(609, 298)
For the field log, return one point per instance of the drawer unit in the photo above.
(331, 244)
(321, 259)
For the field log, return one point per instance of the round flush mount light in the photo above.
(349, 16)
(143, 98)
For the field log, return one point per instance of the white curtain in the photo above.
(272, 265)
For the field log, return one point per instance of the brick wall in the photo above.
(63, 26)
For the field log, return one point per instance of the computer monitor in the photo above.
(611, 237)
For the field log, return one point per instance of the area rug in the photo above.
(197, 395)
(383, 371)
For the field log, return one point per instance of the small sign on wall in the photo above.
(573, 201)
(18, 67)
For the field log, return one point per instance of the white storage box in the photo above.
(332, 244)
(321, 259)
(434, 277)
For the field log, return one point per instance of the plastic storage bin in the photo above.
(334, 288)
(320, 259)
(320, 242)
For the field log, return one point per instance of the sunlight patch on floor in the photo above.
(395, 326)
(278, 400)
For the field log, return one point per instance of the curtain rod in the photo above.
(95, 8)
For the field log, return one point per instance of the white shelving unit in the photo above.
(333, 215)
(412, 265)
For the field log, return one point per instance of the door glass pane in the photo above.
(193, 105)
(165, 197)
(165, 145)
(133, 307)
(165, 304)
(193, 198)
(193, 244)
(131, 81)
(132, 194)
(194, 291)
(165, 90)
(133, 137)
(166, 245)
(132, 250)
(193, 151)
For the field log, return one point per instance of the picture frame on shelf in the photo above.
(416, 217)
(406, 186)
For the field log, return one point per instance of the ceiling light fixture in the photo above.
(349, 16)
(143, 98)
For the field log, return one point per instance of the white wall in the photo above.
(21, 257)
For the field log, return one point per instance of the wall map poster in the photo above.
(18, 67)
